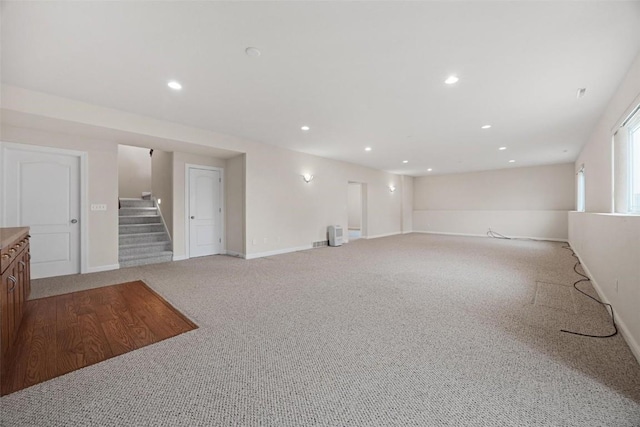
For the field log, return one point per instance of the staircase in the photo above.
(143, 236)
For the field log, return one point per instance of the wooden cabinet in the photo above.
(15, 285)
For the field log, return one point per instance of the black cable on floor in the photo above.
(585, 278)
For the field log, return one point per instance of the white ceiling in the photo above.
(358, 73)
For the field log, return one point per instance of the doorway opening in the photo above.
(204, 211)
(356, 207)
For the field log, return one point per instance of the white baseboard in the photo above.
(622, 326)
(103, 268)
(235, 254)
(377, 236)
(551, 239)
(179, 257)
(278, 252)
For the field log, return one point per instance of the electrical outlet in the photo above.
(255, 241)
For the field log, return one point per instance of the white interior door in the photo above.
(43, 193)
(205, 232)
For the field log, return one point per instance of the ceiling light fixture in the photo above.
(429, 170)
(307, 177)
(392, 188)
(512, 161)
(174, 85)
(253, 52)
(405, 161)
(486, 127)
(305, 128)
(367, 149)
(502, 148)
(451, 80)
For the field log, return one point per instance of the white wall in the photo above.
(102, 186)
(524, 202)
(354, 206)
(282, 212)
(609, 244)
(134, 171)
(162, 184)
(407, 204)
(235, 204)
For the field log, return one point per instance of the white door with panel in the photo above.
(205, 212)
(43, 193)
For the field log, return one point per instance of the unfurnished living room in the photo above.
(320, 213)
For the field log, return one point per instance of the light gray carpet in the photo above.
(413, 330)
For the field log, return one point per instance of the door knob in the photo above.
(193, 217)
(73, 221)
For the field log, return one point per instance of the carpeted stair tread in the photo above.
(144, 256)
(143, 238)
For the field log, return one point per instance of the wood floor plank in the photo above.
(118, 338)
(147, 315)
(141, 334)
(66, 313)
(171, 320)
(63, 333)
(96, 346)
(69, 349)
(41, 363)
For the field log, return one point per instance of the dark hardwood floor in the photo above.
(63, 333)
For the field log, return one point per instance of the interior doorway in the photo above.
(356, 207)
(204, 210)
(44, 191)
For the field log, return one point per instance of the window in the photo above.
(634, 167)
(580, 202)
(626, 162)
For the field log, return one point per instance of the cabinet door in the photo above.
(18, 291)
(7, 306)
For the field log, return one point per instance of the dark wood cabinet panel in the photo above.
(15, 286)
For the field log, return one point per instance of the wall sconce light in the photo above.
(392, 188)
(307, 177)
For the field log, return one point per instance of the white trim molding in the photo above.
(278, 252)
(236, 254)
(100, 268)
(377, 236)
(548, 239)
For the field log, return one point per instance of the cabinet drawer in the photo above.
(12, 251)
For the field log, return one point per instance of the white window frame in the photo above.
(581, 192)
(634, 169)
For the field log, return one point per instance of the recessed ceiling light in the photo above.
(502, 148)
(429, 170)
(174, 85)
(305, 128)
(451, 80)
(405, 161)
(512, 161)
(486, 127)
(253, 52)
(367, 149)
